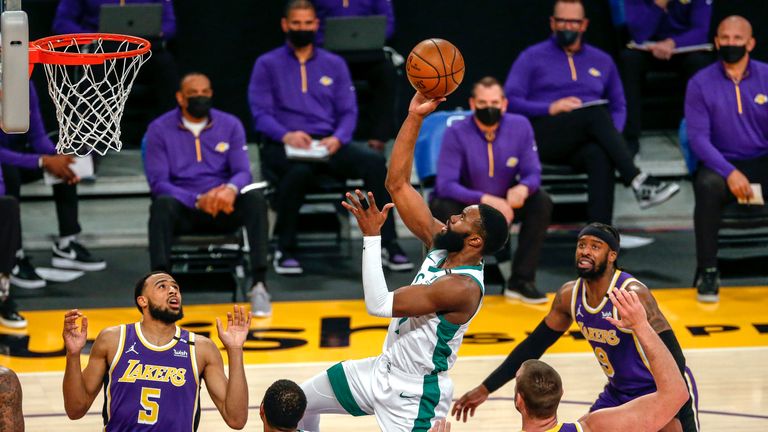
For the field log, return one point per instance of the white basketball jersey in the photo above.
(428, 344)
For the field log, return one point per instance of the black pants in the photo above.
(64, 195)
(534, 218)
(10, 232)
(169, 217)
(293, 179)
(587, 139)
(712, 194)
(634, 66)
(377, 114)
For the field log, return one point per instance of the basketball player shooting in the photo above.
(407, 387)
(151, 369)
(586, 301)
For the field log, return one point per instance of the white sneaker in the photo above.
(260, 301)
(633, 242)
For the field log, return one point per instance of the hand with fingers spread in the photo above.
(369, 218)
(630, 310)
(441, 425)
(469, 402)
(238, 327)
(74, 338)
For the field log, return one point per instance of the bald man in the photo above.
(726, 108)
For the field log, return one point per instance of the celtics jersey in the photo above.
(428, 344)
(152, 388)
(617, 350)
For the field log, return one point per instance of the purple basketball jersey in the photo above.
(152, 388)
(617, 350)
(567, 427)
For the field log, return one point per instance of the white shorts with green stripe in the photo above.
(400, 401)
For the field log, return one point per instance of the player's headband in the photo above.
(602, 235)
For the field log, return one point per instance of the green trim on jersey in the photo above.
(341, 389)
(446, 330)
(430, 397)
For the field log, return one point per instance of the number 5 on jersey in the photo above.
(151, 409)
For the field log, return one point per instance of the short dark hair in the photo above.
(541, 388)
(298, 4)
(569, 2)
(138, 290)
(284, 404)
(487, 81)
(191, 74)
(493, 229)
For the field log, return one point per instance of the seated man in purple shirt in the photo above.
(377, 116)
(572, 94)
(298, 94)
(10, 236)
(508, 179)
(24, 158)
(196, 164)
(726, 110)
(662, 26)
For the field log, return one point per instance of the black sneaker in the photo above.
(76, 256)
(23, 275)
(524, 291)
(286, 264)
(651, 191)
(709, 286)
(10, 317)
(394, 258)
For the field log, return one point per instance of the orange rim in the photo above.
(43, 50)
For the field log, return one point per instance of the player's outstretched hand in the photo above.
(469, 402)
(441, 425)
(631, 312)
(369, 218)
(423, 106)
(74, 338)
(238, 326)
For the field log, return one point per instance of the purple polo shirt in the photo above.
(36, 136)
(687, 23)
(346, 8)
(464, 171)
(174, 166)
(317, 97)
(544, 73)
(717, 131)
(82, 16)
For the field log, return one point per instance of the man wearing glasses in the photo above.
(572, 93)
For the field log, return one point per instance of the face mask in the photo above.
(566, 38)
(301, 38)
(488, 116)
(732, 53)
(199, 106)
(450, 241)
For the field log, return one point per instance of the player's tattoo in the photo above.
(11, 417)
(655, 317)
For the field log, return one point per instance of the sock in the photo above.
(64, 241)
(20, 254)
(638, 180)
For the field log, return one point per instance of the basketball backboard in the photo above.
(14, 68)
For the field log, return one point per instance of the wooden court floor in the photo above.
(726, 346)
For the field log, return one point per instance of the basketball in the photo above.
(435, 68)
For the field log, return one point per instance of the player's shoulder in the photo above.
(203, 343)
(564, 294)
(109, 337)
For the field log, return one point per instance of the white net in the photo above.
(90, 99)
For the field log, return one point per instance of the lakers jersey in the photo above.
(427, 345)
(617, 350)
(566, 427)
(152, 388)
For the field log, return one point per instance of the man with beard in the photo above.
(586, 301)
(151, 369)
(407, 386)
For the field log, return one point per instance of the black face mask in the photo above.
(566, 38)
(451, 241)
(301, 38)
(732, 53)
(199, 106)
(488, 116)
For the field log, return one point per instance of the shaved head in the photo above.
(735, 23)
(735, 31)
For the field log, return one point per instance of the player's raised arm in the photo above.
(557, 322)
(410, 204)
(229, 395)
(652, 411)
(80, 387)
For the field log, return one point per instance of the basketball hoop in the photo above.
(89, 78)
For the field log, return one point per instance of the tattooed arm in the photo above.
(655, 317)
(11, 417)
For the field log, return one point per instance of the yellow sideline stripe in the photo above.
(297, 326)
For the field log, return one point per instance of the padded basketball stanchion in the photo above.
(90, 76)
